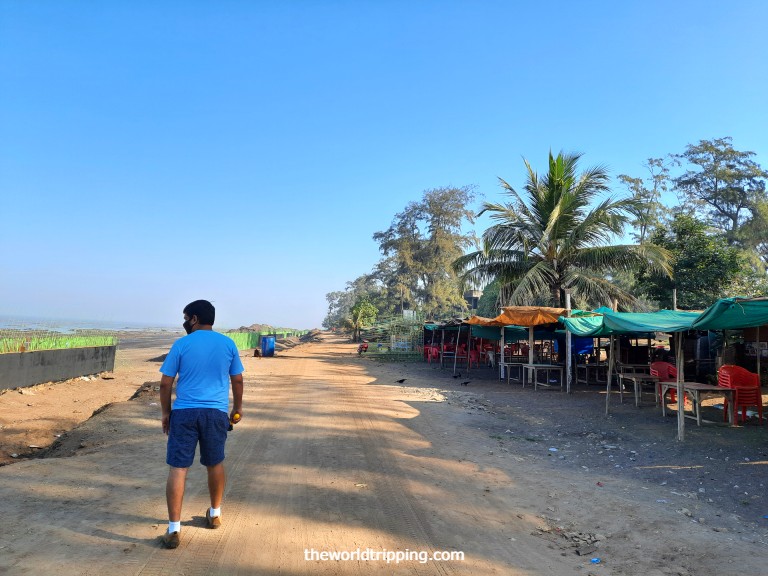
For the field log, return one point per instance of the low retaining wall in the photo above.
(30, 368)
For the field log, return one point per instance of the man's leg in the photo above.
(174, 492)
(217, 480)
(212, 443)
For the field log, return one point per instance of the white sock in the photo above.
(174, 527)
(215, 512)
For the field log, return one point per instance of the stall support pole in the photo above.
(568, 376)
(611, 356)
(530, 353)
(680, 362)
(501, 355)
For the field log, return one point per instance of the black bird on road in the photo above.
(401, 380)
(465, 383)
(457, 375)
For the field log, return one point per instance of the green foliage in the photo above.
(488, 304)
(648, 211)
(362, 314)
(705, 267)
(419, 248)
(725, 182)
(556, 236)
(752, 234)
(415, 271)
(340, 303)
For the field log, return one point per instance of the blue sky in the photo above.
(152, 153)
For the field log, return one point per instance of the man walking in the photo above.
(207, 364)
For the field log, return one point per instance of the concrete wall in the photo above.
(30, 368)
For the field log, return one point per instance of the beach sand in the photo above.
(334, 455)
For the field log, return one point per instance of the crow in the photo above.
(401, 380)
(465, 383)
(457, 375)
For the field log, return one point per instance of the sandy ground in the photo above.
(334, 455)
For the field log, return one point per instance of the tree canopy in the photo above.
(415, 270)
(728, 183)
(361, 315)
(648, 210)
(419, 248)
(705, 267)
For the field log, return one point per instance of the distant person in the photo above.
(207, 364)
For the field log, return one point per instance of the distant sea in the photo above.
(69, 325)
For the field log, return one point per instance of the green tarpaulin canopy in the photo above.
(486, 332)
(610, 322)
(734, 313)
(586, 326)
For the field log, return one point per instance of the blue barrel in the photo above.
(267, 345)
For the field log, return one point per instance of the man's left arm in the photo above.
(166, 387)
(237, 395)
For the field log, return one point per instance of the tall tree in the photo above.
(420, 246)
(649, 211)
(556, 236)
(727, 182)
(705, 267)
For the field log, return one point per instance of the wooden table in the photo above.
(547, 368)
(587, 368)
(695, 391)
(637, 379)
(508, 360)
(644, 368)
(508, 365)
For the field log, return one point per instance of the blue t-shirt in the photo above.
(204, 361)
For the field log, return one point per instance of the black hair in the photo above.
(204, 311)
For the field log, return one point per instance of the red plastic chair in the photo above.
(474, 356)
(746, 387)
(667, 373)
(432, 354)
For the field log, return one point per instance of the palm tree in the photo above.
(557, 238)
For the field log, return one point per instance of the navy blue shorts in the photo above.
(190, 426)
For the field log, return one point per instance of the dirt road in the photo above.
(333, 455)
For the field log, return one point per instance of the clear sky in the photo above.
(156, 152)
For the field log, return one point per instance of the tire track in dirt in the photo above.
(400, 512)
